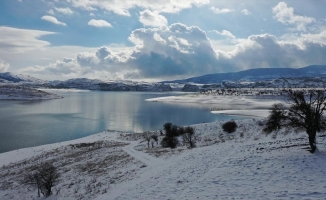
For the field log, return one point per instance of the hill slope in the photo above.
(257, 75)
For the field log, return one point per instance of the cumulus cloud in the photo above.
(53, 20)
(285, 15)
(51, 12)
(154, 19)
(174, 50)
(267, 51)
(317, 37)
(245, 12)
(123, 7)
(21, 40)
(178, 50)
(65, 11)
(3, 66)
(221, 11)
(65, 67)
(99, 23)
(225, 33)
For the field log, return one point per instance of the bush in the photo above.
(230, 126)
(171, 142)
(171, 132)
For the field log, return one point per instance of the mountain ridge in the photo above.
(256, 74)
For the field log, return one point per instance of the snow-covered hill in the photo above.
(255, 75)
(93, 84)
(8, 77)
(246, 164)
(307, 77)
(12, 92)
(82, 83)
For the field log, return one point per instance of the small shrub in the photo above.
(229, 126)
(171, 132)
(171, 142)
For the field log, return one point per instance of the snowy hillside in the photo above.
(93, 84)
(8, 77)
(82, 83)
(256, 75)
(12, 92)
(246, 164)
(308, 77)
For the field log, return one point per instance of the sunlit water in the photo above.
(82, 113)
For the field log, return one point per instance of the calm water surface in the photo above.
(82, 113)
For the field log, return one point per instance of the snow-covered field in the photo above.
(246, 164)
(11, 92)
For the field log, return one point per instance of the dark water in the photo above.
(82, 113)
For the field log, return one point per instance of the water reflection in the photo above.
(31, 123)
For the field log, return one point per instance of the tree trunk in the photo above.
(312, 142)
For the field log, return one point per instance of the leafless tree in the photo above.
(147, 138)
(306, 111)
(155, 138)
(45, 178)
(189, 137)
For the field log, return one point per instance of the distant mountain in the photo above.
(82, 83)
(93, 84)
(311, 76)
(9, 77)
(257, 75)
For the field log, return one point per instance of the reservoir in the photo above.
(81, 113)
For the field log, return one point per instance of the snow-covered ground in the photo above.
(12, 92)
(246, 164)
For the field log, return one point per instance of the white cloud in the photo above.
(53, 20)
(225, 33)
(65, 67)
(245, 12)
(21, 40)
(154, 19)
(122, 7)
(51, 12)
(179, 50)
(158, 38)
(99, 23)
(267, 51)
(317, 37)
(3, 66)
(285, 15)
(221, 11)
(65, 11)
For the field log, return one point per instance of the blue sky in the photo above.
(158, 40)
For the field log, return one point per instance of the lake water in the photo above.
(82, 113)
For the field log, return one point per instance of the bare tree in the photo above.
(306, 111)
(155, 138)
(147, 138)
(45, 178)
(189, 137)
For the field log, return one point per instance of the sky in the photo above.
(158, 40)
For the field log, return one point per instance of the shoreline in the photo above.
(119, 165)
